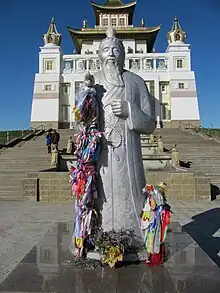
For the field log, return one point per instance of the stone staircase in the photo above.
(16, 162)
(203, 153)
(32, 156)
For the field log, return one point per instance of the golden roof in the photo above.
(137, 33)
(113, 4)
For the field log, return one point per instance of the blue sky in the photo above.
(24, 22)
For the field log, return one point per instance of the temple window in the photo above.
(163, 88)
(179, 63)
(164, 111)
(105, 21)
(65, 90)
(48, 87)
(65, 113)
(45, 255)
(49, 65)
(181, 85)
(113, 21)
(151, 87)
(121, 21)
(78, 86)
(134, 64)
(148, 64)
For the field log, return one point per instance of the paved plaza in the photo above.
(23, 225)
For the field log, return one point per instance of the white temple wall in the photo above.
(45, 110)
(184, 108)
(173, 88)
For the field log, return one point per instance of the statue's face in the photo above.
(111, 52)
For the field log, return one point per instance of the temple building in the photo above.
(169, 76)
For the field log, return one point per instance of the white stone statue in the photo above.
(125, 113)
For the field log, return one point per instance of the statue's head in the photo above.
(111, 50)
(112, 54)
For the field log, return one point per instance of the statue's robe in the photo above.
(120, 164)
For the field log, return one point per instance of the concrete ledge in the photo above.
(31, 189)
(55, 186)
(36, 124)
(156, 161)
(182, 185)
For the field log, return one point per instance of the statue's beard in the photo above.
(112, 73)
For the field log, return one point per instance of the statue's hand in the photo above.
(120, 108)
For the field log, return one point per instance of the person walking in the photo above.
(55, 139)
(48, 142)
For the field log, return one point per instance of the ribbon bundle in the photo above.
(155, 218)
(85, 109)
(84, 176)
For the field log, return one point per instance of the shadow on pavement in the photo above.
(203, 228)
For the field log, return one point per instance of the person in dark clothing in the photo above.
(55, 138)
(48, 142)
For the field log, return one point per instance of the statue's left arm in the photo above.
(141, 118)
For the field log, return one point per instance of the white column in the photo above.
(141, 64)
(87, 64)
(100, 19)
(154, 63)
(126, 20)
(74, 65)
(127, 64)
(72, 102)
(157, 97)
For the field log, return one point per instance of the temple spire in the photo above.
(52, 36)
(176, 34)
(176, 24)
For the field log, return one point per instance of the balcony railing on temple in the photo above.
(78, 64)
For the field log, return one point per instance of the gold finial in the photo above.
(175, 18)
(110, 32)
(84, 23)
(142, 22)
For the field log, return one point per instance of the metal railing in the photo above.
(6, 136)
(209, 132)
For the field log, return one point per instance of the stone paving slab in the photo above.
(22, 224)
(46, 268)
